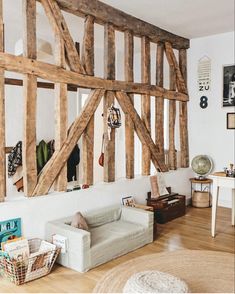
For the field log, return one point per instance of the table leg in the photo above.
(233, 207)
(215, 193)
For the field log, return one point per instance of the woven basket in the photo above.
(201, 199)
(20, 272)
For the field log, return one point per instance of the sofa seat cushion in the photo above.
(114, 239)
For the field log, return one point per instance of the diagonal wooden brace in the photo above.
(58, 24)
(174, 64)
(59, 158)
(126, 104)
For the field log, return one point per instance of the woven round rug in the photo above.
(203, 271)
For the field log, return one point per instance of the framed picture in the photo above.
(231, 120)
(128, 201)
(229, 85)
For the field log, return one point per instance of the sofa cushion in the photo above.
(114, 239)
(102, 216)
(113, 231)
(79, 222)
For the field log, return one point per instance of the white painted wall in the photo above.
(207, 127)
(35, 212)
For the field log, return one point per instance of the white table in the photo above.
(218, 182)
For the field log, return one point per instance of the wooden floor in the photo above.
(190, 232)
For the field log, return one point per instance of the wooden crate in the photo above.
(168, 207)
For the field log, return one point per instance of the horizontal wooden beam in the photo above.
(122, 21)
(8, 149)
(57, 74)
(43, 85)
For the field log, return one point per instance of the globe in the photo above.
(202, 165)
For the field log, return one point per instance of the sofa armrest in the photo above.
(137, 215)
(77, 254)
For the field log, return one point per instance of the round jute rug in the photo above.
(203, 271)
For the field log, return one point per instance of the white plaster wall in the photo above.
(35, 212)
(207, 127)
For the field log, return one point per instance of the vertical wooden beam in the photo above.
(61, 113)
(109, 73)
(30, 94)
(129, 127)
(159, 102)
(145, 101)
(88, 135)
(172, 116)
(2, 116)
(183, 113)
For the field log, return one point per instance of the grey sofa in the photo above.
(113, 231)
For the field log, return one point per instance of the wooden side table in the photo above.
(203, 183)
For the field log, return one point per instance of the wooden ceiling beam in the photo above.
(57, 74)
(122, 21)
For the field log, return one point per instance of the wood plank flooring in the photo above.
(190, 232)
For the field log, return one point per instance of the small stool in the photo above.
(154, 282)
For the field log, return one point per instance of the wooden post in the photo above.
(145, 101)
(109, 73)
(59, 158)
(30, 94)
(2, 116)
(88, 135)
(61, 113)
(172, 115)
(129, 127)
(183, 116)
(141, 130)
(159, 102)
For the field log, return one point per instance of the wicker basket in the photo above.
(20, 272)
(201, 199)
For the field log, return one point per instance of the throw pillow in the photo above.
(158, 186)
(79, 221)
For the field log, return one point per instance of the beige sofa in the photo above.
(113, 231)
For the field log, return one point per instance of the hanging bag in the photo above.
(101, 158)
(114, 117)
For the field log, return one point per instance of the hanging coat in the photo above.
(72, 163)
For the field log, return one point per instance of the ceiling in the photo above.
(187, 18)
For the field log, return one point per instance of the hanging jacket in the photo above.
(72, 163)
(42, 155)
(15, 159)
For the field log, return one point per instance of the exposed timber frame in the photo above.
(2, 116)
(73, 70)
